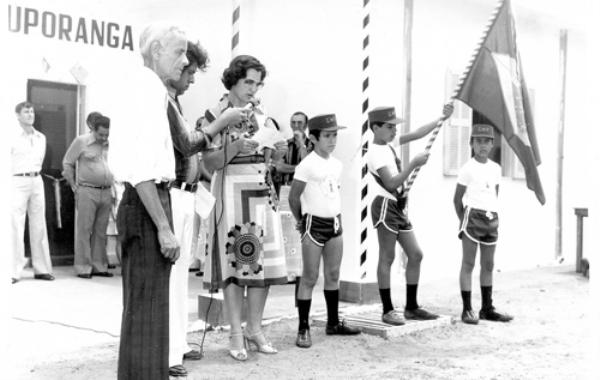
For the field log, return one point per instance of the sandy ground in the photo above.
(547, 340)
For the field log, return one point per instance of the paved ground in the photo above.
(68, 329)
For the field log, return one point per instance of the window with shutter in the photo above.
(456, 131)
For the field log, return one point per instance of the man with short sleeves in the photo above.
(28, 148)
(92, 186)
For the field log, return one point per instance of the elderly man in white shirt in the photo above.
(28, 148)
(142, 156)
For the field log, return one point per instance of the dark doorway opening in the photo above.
(56, 116)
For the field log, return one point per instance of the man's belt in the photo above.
(94, 186)
(257, 158)
(181, 185)
(29, 174)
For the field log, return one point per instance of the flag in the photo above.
(495, 87)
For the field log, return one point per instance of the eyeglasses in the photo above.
(251, 83)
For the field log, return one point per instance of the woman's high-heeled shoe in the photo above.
(241, 354)
(259, 340)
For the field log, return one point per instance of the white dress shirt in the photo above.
(141, 148)
(27, 150)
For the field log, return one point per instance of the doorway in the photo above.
(57, 117)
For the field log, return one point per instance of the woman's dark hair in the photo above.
(238, 68)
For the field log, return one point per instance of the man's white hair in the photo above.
(156, 32)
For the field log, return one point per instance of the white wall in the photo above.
(313, 54)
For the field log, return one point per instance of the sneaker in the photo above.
(469, 317)
(492, 315)
(419, 314)
(393, 317)
(303, 339)
(341, 329)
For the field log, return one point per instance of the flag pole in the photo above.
(459, 86)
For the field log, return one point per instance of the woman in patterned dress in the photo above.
(247, 246)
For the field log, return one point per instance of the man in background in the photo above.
(27, 149)
(85, 168)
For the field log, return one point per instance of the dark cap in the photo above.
(384, 115)
(324, 122)
(101, 121)
(482, 130)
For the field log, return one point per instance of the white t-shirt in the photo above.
(321, 196)
(380, 156)
(480, 180)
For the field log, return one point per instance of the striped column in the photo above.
(235, 31)
(364, 205)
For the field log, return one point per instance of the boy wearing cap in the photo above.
(316, 205)
(388, 210)
(476, 205)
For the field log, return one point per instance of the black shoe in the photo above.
(419, 314)
(199, 273)
(44, 276)
(194, 269)
(15, 280)
(341, 329)
(491, 314)
(192, 355)
(102, 274)
(469, 317)
(87, 276)
(111, 266)
(303, 339)
(178, 371)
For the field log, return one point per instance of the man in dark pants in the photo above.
(145, 162)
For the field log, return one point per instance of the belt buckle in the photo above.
(489, 215)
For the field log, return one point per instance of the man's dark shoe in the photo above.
(303, 339)
(87, 276)
(194, 269)
(111, 266)
(15, 280)
(492, 315)
(178, 371)
(341, 329)
(44, 276)
(469, 317)
(419, 314)
(102, 274)
(192, 355)
(199, 274)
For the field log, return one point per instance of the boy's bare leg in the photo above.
(332, 259)
(488, 311)
(468, 263)
(311, 259)
(387, 253)
(466, 271)
(409, 244)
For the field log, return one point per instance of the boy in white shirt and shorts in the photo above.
(389, 212)
(316, 205)
(476, 205)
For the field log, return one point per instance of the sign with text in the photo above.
(60, 26)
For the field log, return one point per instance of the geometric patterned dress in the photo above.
(247, 245)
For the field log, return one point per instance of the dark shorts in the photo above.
(480, 226)
(389, 214)
(321, 230)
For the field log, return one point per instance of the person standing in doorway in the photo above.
(85, 167)
(27, 149)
